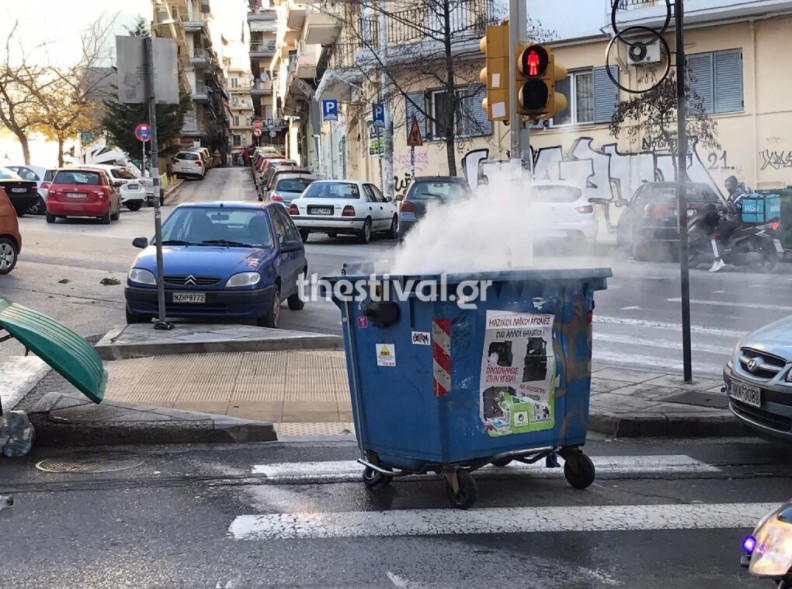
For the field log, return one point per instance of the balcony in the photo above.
(240, 105)
(321, 28)
(295, 15)
(194, 26)
(262, 14)
(201, 92)
(260, 88)
(264, 26)
(263, 49)
(200, 58)
(652, 13)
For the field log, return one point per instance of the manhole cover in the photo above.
(89, 464)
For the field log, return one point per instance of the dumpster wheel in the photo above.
(372, 478)
(578, 470)
(465, 495)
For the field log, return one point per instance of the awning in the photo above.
(68, 353)
(339, 85)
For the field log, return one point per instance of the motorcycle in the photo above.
(767, 553)
(749, 245)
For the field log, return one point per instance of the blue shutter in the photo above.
(729, 77)
(479, 123)
(606, 93)
(419, 99)
(700, 78)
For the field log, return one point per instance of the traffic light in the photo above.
(537, 73)
(495, 76)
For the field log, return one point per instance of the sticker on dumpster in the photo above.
(518, 373)
(386, 355)
(362, 322)
(421, 338)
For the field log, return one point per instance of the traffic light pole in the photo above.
(517, 22)
(521, 19)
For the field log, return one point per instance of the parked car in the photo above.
(10, 238)
(38, 175)
(189, 164)
(564, 213)
(649, 222)
(130, 187)
(425, 190)
(266, 164)
(236, 260)
(23, 194)
(274, 173)
(288, 185)
(205, 155)
(344, 207)
(83, 192)
(758, 379)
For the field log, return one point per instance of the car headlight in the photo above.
(141, 276)
(243, 279)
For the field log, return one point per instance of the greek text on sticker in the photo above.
(421, 338)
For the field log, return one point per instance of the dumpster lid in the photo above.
(359, 270)
(68, 353)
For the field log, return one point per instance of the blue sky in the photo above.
(589, 15)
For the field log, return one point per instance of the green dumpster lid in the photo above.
(68, 353)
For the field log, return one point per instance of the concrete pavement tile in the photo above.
(669, 380)
(244, 413)
(346, 415)
(618, 404)
(602, 385)
(645, 391)
(718, 389)
(142, 395)
(285, 430)
(257, 405)
(311, 417)
(629, 376)
(247, 391)
(219, 407)
(298, 407)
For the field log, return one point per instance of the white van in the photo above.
(189, 164)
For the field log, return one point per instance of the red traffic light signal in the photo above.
(534, 61)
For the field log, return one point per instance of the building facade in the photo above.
(263, 20)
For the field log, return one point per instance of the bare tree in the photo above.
(431, 44)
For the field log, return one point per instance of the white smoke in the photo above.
(491, 231)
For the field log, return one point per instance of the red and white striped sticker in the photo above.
(441, 352)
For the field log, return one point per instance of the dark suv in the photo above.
(426, 190)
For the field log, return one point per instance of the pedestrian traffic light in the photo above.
(495, 76)
(537, 73)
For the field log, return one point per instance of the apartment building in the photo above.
(200, 71)
(239, 82)
(263, 23)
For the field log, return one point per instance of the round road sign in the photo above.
(257, 124)
(256, 132)
(143, 132)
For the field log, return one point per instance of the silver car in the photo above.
(759, 379)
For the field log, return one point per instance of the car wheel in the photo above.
(19, 213)
(295, 301)
(38, 208)
(50, 218)
(8, 255)
(272, 318)
(304, 233)
(117, 215)
(134, 205)
(105, 219)
(365, 234)
(133, 318)
(393, 232)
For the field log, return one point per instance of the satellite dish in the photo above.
(264, 77)
(251, 77)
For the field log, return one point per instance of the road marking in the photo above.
(655, 343)
(623, 359)
(746, 305)
(630, 309)
(773, 286)
(397, 580)
(675, 327)
(350, 470)
(500, 520)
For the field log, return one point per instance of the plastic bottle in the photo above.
(16, 434)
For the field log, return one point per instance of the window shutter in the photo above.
(479, 124)
(700, 78)
(729, 90)
(606, 93)
(419, 99)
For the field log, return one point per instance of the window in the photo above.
(235, 82)
(717, 77)
(591, 95)
(471, 120)
(237, 140)
(236, 120)
(345, 190)
(378, 196)
(81, 177)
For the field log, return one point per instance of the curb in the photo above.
(661, 426)
(66, 420)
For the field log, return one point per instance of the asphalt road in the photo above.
(637, 320)
(660, 515)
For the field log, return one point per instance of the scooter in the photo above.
(767, 553)
(750, 245)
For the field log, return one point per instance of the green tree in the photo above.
(119, 120)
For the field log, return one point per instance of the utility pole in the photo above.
(161, 322)
(516, 13)
(521, 20)
(387, 132)
(682, 149)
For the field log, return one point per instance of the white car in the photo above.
(344, 207)
(189, 164)
(565, 213)
(131, 188)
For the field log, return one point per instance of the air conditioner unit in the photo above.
(640, 53)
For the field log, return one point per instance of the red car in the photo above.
(83, 192)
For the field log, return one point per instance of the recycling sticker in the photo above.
(386, 355)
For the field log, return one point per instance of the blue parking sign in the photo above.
(330, 110)
(378, 114)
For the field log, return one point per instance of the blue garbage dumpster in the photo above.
(451, 373)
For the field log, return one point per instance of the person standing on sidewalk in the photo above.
(246, 157)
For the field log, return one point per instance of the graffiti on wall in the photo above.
(777, 160)
(402, 184)
(403, 161)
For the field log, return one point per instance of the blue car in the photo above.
(234, 260)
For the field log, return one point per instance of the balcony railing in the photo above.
(468, 20)
(627, 4)
(265, 47)
(261, 87)
(343, 56)
(262, 14)
(201, 90)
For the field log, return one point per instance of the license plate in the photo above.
(189, 297)
(75, 195)
(19, 190)
(748, 394)
(321, 211)
(778, 246)
(132, 186)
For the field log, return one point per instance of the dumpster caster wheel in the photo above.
(466, 496)
(579, 470)
(372, 478)
(502, 462)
